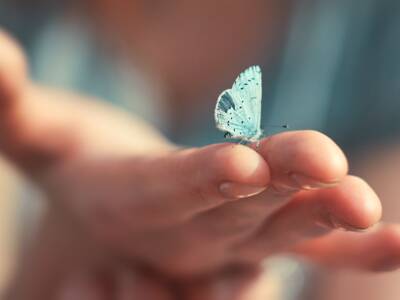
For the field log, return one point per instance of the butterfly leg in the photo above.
(243, 142)
(227, 135)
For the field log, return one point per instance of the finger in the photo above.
(216, 174)
(303, 159)
(375, 250)
(164, 189)
(352, 205)
(290, 156)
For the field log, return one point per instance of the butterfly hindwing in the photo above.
(228, 116)
(238, 110)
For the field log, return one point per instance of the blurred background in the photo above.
(328, 65)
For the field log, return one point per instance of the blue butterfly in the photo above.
(238, 110)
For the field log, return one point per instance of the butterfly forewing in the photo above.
(249, 86)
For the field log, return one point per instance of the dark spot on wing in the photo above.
(226, 102)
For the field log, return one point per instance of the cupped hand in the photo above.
(120, 194)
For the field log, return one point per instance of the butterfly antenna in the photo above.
(286, 126)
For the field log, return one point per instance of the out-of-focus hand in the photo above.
(122, 196)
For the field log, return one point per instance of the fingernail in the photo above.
(346, 226)
(386, 265)
(237, 191)
(308, 183)
(334, 223)
(282, 189)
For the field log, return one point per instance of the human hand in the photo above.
(122, 189)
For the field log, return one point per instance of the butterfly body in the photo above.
(238, 110)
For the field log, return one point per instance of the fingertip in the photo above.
(386, 245)
(354, 203)
(390, 235)
(241, 164)
(308, 153)
(366, 202)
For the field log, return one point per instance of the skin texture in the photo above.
(126, 217)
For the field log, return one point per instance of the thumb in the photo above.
(13, 70)
(29, 135)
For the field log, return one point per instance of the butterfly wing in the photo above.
(238, 110)
(249, 87)
(228, 116)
